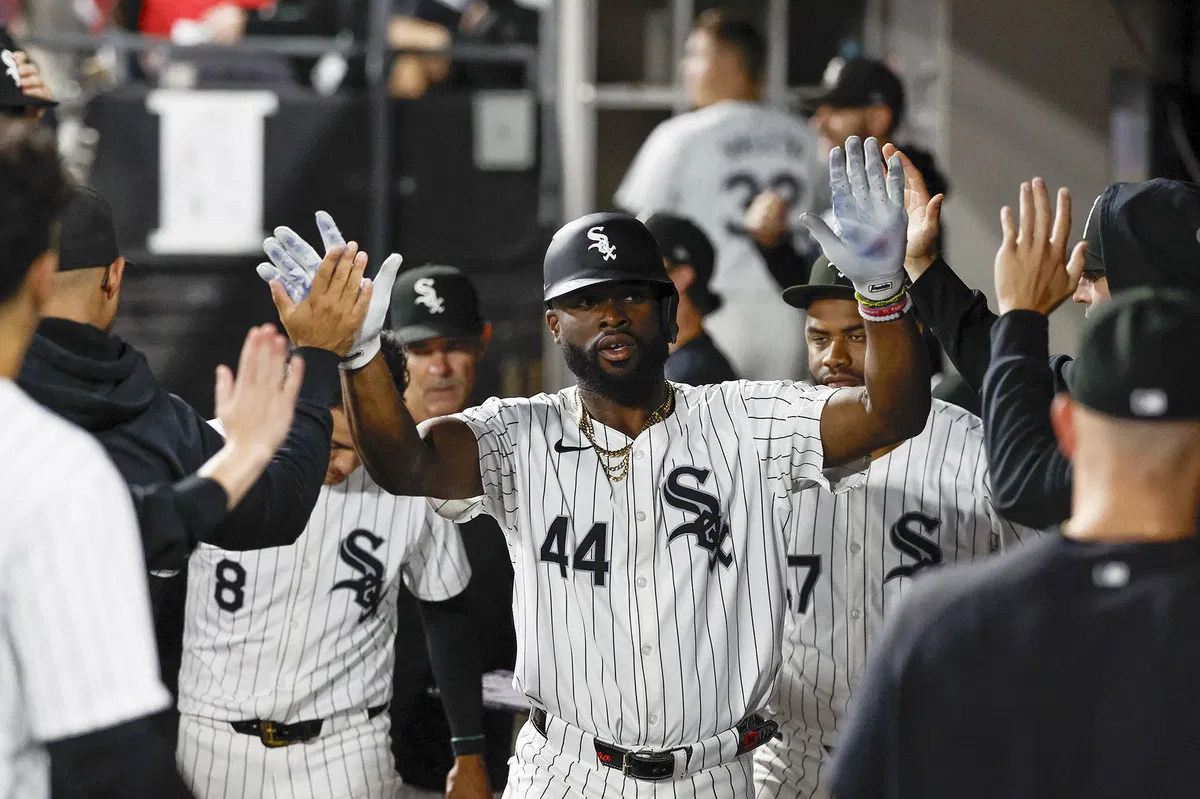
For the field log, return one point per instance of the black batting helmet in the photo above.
(607, 248)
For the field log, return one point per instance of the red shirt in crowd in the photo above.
(159, 15)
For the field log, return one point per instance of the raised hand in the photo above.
(1032, 270)
(293, 261)
(255, 406)
(868, 209)
(330, 316)
(924, 216)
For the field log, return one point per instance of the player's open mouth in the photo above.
(842, 381)
(616, 347)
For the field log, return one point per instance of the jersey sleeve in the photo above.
(437, 567)
(651, 184)
(494, 424)
(77, 605)
(785, 422)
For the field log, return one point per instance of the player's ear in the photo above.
(552, 323)
(40, 278)
(113, 276)
(1062, 418)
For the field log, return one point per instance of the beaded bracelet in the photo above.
(884, 303)
(888, 313)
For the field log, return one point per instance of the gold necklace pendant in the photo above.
(619, 471)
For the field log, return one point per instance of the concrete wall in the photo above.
(1027, 95)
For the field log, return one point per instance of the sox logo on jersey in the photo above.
(924, 505)
(305, 633)
(625, 634)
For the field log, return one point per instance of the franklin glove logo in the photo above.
(428, 296)
(709, 528)
(368, 588)
(602, 245)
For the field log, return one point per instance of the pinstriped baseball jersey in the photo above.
(77, 650)
(306, 631)
(925, 504)
(649, 610)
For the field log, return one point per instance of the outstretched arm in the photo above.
(868, 205)
(441, 459)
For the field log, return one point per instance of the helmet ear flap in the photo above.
(669, 306)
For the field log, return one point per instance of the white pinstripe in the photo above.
(300, 647)
(942, 474)
(77, 648)
(666, 651)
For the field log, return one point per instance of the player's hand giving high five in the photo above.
(294, 263)
(331, 315)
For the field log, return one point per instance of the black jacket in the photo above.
(158, 441)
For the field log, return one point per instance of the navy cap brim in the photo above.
(582, 282)
(423, 332)
(804, 295)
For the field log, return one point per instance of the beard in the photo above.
(632, 388)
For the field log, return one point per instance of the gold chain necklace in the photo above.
(620, 470)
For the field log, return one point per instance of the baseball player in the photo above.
(78, 673)
(709, 165)
(645, 519)
(288, 652)
(922, 503)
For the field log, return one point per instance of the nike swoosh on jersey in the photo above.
(560, 447)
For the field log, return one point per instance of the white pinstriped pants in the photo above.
(352, 763)
(563, 766)
(791, 767)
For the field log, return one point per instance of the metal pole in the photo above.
(777, 53)
(379, 130)
(683, 12)
(551, 174)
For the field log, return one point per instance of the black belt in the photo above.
(274, 735)
(660, 764)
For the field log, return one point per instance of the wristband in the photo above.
(360, 355)
(467, 745)
(887, 313)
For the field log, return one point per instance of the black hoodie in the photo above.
(1141, 234)
(158, 442)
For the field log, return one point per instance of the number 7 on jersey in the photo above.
(813, 565)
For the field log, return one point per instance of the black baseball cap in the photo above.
(825, 282)
(1138, 357)
(434, 301)
(1145, 234)
(87, 238)
(861, 82)
(11, 96)
(682, 242)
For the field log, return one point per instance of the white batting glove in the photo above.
(868, 210)
(294, 263)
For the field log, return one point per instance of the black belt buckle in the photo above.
(648, 766)
(275, 735)
(269, 732)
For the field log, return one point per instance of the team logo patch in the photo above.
(428, 296)
(602, 244)
(367, 588)
(10, 67)
(915, 543)
(709, 528)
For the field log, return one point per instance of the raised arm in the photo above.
(441, 459)
(868, 206)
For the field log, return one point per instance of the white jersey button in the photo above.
(641, 582)
(856, 614)
(638, 454)
(855, 548)
(647, 650)
(652, 718)
(641, 516)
